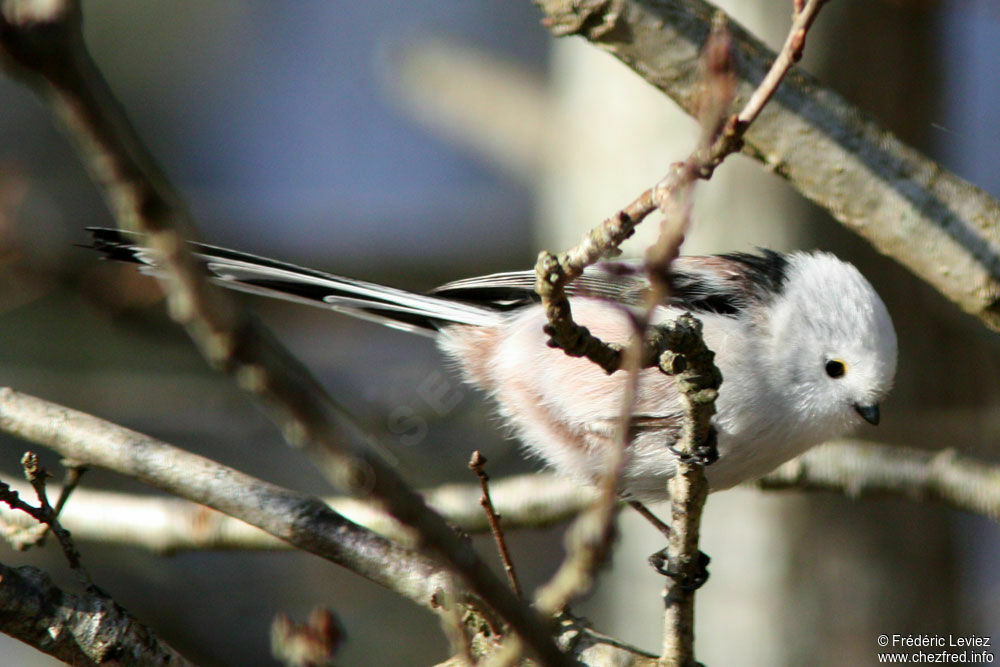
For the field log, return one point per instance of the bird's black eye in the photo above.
(835, 368)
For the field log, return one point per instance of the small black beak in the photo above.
(869, 413)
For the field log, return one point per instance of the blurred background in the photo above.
(451, 139)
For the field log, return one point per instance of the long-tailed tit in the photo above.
(805, 345)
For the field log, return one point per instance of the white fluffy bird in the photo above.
(805, 346)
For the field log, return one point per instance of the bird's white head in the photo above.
(834, 346)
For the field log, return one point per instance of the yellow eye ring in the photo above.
(835, 368)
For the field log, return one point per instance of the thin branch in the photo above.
(20, 533)
(648, 515)
(858, 469)
(25, 534)
(589, 539)
(478, 465)
(453, 622)
(42, 41)
(87, 629)
(680, 350)
(686, 354)
(906, 205)
(588, 647)
(595, 648)
(791, 52)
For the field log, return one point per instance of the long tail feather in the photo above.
(418, 313)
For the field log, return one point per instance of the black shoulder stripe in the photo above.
(766, 272)
(727, 284)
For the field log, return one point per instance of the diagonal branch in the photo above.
(296, 518)
(42, 42)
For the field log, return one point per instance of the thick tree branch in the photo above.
(42, 41)
(86, 629)
(942, 228)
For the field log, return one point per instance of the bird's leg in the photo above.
(704, 454)
(691, 577)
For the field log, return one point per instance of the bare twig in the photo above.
(588, 647)
(804, 13)
(87, 629)
(25, 535)
(906, 205)
(858, 469)
(730, 138)
(589, 539)
(42, 41)
(40, 614)
(21, 537)
(36, 476)
(587, 543)
(453, 622)
(478, 465)
(672, 195)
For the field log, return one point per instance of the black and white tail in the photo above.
(418, 313)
